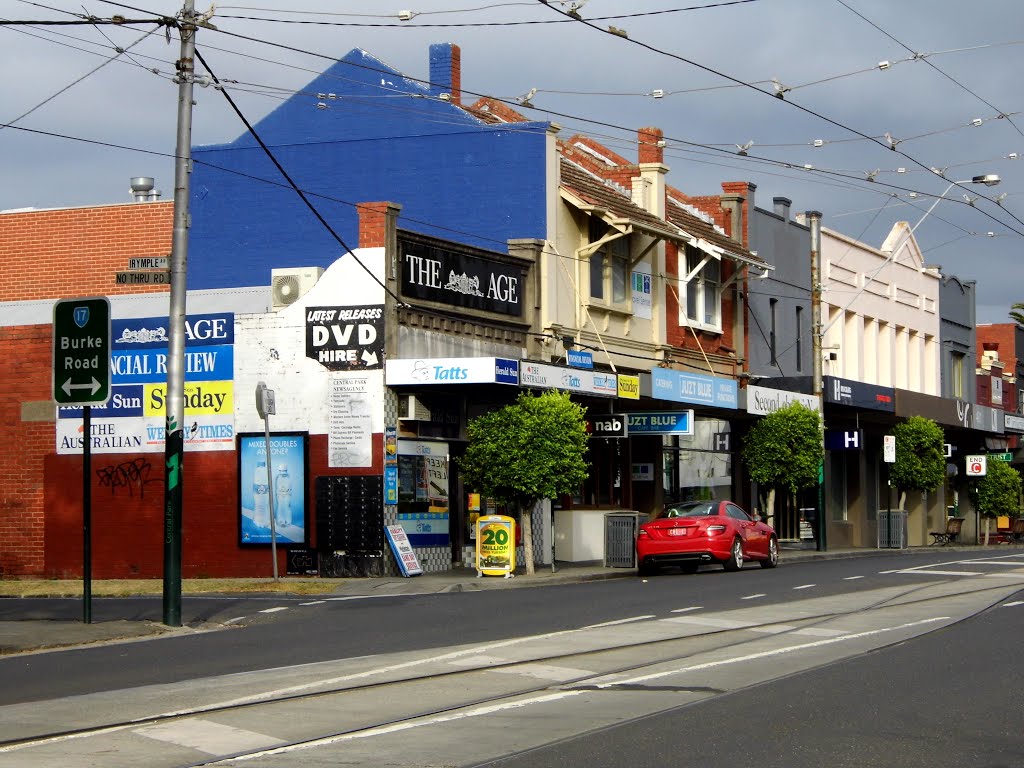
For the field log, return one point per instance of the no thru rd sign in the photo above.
(81, 351)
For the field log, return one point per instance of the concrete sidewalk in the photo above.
(36, 632)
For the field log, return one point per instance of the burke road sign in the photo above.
(81, 351)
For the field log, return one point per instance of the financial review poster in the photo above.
(272, 484)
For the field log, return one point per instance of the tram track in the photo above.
(615, 642)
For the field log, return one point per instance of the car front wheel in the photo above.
(773, 554)
(735, 561)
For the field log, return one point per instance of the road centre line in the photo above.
(751, 597)
(917, 572)
(768, 654)
(686, 610)
(852, 578)
(805, 586)
(275, 610)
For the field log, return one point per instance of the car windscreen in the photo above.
(696, 509)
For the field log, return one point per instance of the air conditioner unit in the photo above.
(289, 284)
(411, 408)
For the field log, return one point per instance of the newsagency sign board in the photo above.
(134, 419)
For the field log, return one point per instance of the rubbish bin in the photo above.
(620, 539)
(892, 530)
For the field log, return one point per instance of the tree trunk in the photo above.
(988, 525)
(526, 520)
(903, 501)
(769, 509)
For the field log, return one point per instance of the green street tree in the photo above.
(1017, 313)
(783, 451)
(997, 493)
(920, 458)
(531, 450)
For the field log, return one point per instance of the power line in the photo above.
(925, 58)
(779, 93)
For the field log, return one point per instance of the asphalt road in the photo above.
(309, 630)
(949, 699)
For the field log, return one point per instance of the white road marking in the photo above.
(618, 621)
(751, 597)
(314, 602)
(235, 620)
(1014, 604)
(852, 578)
(917, 572)
(767, 654)
(275, 610)
(685, 610)
(207, 736)
(805, 586)
(1014, 575)
(778, 629)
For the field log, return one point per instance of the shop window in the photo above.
(603, 486)
(703, 281)
(799, 339)
(692, 469)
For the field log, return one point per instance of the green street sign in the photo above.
(1007, 457)
(81, 351)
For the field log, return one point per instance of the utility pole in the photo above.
(818, 384)
(174, 438)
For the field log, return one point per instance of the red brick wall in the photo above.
(46, 255)
(71, 252)
(127, 514)
(25, 373)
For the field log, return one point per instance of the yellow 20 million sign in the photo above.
(495, 546)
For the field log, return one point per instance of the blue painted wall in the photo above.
(378, 139)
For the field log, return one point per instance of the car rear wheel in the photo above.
(735, 561)
(773, 554)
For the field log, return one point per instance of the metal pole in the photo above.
(87, 515)
(814, 219)
(270, 494)
(174, 440)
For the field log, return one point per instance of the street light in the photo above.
(988, 179)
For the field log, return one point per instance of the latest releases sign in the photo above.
(460, 279)
(346, 338)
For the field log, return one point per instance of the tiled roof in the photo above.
(593, 191)
(696, 226)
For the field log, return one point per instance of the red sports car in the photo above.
(694, 532)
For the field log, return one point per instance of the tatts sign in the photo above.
(346, 338)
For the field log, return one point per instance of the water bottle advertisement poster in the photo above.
(272, 484)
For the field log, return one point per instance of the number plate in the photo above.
(678, 531)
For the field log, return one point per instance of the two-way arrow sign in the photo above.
(93, 387)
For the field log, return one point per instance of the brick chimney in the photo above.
(377, 223)
(446, 71)
(649, 151)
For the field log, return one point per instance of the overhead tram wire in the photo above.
(782, 164)
(711, 70)
(597, 122)
(924, 58)
(407, 25)
(777, 163)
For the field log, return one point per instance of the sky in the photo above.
(883, 104)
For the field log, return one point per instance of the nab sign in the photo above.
(81, 351)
